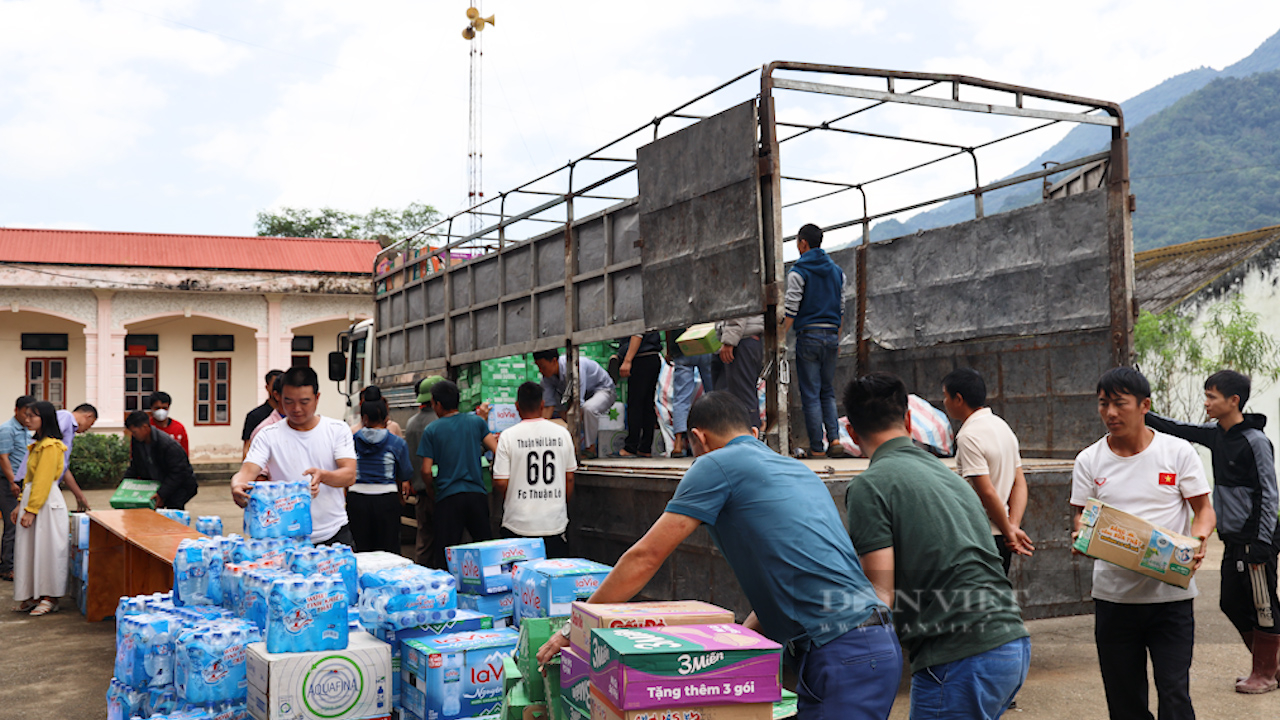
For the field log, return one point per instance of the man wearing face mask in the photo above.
(161, 421)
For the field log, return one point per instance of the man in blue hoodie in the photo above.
(815, 307)
(382, 463)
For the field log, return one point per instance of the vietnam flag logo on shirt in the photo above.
(1168, 478)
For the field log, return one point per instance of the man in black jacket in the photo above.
(1246, 500)
(154, 455)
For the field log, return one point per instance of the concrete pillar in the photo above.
(264, 365)
(104, 366)
(278, 346)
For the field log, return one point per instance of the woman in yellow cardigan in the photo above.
(40, 544)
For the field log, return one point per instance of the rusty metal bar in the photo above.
(826, 89)
(881, 136)
(777, 430)
(977, 186)
(860, 110)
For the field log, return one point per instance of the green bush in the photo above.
(99, 461)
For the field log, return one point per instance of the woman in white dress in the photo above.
(40, 544)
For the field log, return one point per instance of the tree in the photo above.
(379, 224)
(1175, 357)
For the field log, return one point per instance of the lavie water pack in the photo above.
(457, 675)
(684, 666)
(547, 588)
(278, 509)
(484, 568)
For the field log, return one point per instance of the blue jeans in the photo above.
(853, 677)
(683, 386)
(816, 369)
(979, 687)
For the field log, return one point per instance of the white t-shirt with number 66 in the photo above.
(534, 456)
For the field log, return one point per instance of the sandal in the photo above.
(25, 606)
(7, 577)
(45, 607)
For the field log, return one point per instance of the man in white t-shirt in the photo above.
(533, 469)
(1160, 479)
(987, 456)
(305, 447)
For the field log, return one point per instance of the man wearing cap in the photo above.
(412, 435)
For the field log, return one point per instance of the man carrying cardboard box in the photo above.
(1160, 479)
(924, 541)
(1245, 500)
(775, 523)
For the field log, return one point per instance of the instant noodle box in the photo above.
(602, 709)
(575, 682)
(684, 666)
(1135, 544)
(587, 616)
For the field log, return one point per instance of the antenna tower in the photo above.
(475, 152)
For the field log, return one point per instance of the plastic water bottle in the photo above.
(197, 572)
(209, 525)
(209, 663)
(451, 704)
(257, 585)
(123, 702)
(278, 509)
(306, 614)
(181, 516)
(334, 560)
(406, 597)
(157, 651)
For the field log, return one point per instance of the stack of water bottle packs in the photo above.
(78, 560)
(484, 574)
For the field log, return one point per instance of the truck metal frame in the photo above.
(582, 254)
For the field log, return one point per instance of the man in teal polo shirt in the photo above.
(776, 525)
(923, 538)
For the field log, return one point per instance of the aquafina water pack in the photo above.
(197, 572)
(210, 525)
(209, 662)
(278, 510)
(405, 597)
(181, 516)
(257, 585)
(306, 614)
(123, 702)
(335, 560)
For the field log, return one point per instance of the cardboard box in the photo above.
(351, 684)
(470, 663)
(131, 493)
(500, 607)
(465, 620)
(484, 568)
(534, 633)
(609, 442)
(79, 530)
(684, 666)
(699, 340)
(575, 682)
(602, 709)
(1135, 544)
(510, 674)
(586, 617)
(503, 416)
(615, 418)
(551, 688)
(547, 588)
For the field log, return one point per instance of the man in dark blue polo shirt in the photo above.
(778, 528)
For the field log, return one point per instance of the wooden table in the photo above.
(130, 553)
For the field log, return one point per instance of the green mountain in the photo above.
(1157, 222)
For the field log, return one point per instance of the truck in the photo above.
(684, 220)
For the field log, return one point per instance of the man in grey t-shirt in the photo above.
(595, 391)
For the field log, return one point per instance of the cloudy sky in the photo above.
(190, 116)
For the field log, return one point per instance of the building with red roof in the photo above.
(110, 317)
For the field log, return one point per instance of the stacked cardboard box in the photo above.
(484, 573)
(78, 560)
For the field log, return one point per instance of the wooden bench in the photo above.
(130, 553)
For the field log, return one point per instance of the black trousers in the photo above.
(642, 413)
(1006, 555)
(469, 512)
(375, 521)
(740, 377)
(557, 545)
(7, 504)
(426, 529)
(179, 498)
(1125, 635)
(1238, 587)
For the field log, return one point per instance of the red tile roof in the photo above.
(205, 252)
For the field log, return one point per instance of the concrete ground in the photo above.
(59, 666)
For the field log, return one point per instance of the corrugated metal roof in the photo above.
(205, 252)
(1166, 276)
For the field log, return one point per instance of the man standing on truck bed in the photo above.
(595, 391)
(453, 444)
(815, 306)
(1245, 500)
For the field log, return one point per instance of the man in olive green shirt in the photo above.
(924, 542)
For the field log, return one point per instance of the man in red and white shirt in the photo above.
(161, 421)
(1160, 479)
